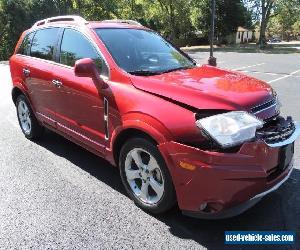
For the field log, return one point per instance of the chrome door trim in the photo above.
(257, 112)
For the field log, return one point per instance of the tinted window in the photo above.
(44, 42)
(75, 46)
(24, 49)
(141, 51)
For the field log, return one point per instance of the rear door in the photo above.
(39, 76)
(80, 107)
(21, 61)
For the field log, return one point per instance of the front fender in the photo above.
(144, 123)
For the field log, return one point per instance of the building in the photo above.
(243, 35)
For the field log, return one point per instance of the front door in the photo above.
(80, 107)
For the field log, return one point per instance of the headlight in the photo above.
(230, 129)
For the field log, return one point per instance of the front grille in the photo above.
(276, 130)
(264, 106)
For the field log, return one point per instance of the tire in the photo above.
(145, 176)
(27, 120)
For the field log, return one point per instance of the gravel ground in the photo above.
(55, 195)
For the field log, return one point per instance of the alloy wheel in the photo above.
(144, 176)
(24, 117)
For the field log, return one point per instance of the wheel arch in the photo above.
(19, 89)
(137, 125)
(15, 92)
(124, 136)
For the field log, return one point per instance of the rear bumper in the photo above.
(226, 184)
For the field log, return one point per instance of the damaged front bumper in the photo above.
(215, 185)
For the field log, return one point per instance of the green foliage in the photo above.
(285, 19)
(276, 17)
(229, 15)
(296, 28)
(12, 13)
(182, 21)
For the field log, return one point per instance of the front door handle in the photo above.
(57, 83)
(26, 72)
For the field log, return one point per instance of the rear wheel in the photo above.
(146, 177)
(27, 120)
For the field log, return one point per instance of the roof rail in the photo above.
(132, 22)
(67, 18)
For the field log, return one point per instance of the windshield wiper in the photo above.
(151, 73)
(175, 69)
(144, 72)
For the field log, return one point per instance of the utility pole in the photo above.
(212, 60)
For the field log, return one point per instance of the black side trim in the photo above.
(106, 118)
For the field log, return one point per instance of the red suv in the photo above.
(208, 139)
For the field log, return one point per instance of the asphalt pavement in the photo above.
(56, 195)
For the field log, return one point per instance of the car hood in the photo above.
(208, 88)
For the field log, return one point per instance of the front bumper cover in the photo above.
(239, 209)
(232, 182)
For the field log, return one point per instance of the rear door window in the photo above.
(75, 46)
(24, 49)
(44, 43)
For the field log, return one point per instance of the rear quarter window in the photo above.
(44, 43)
(24, 48)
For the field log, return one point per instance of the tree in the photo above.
(19, 15)
(285, 16)
(229, 15)
(262, 10)
(266, 10)
(285, 12)
(176, 19)
(175, 15)
(14, 19)
(296, 29)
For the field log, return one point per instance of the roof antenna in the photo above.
(212, 61)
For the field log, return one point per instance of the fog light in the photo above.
(203, 206)
(211, 207)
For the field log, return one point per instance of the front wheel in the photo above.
(146, 177)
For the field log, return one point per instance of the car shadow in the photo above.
(278, 211)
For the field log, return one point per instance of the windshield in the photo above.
(142, 52)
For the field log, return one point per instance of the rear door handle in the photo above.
(57, 83)
(26, 72)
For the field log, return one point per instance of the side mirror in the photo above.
(86, 67)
